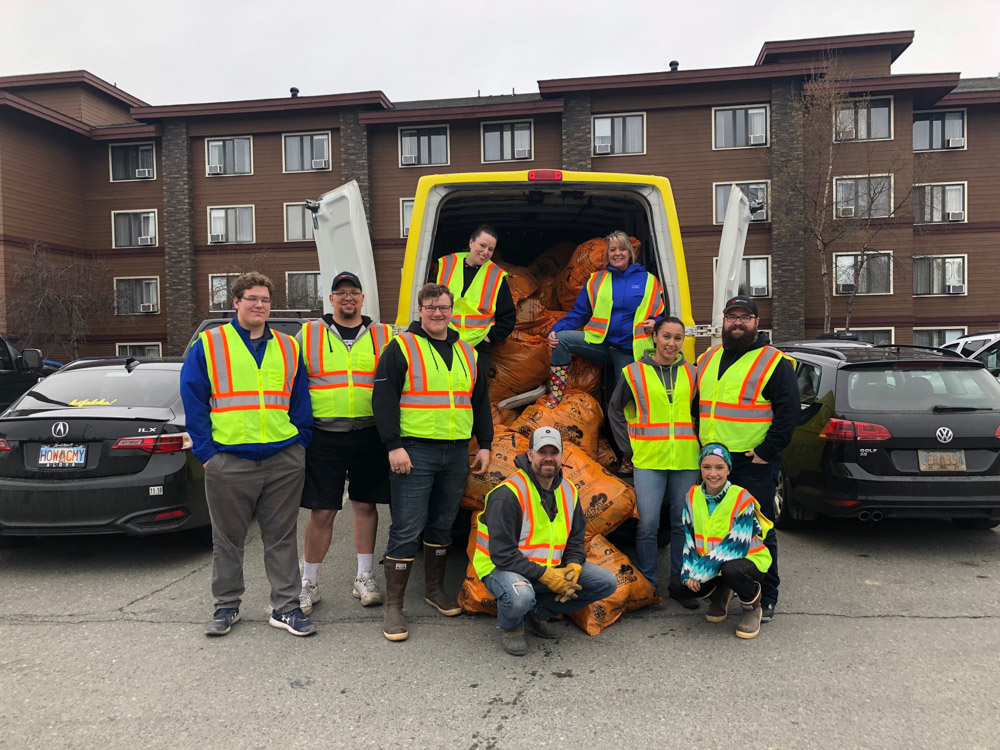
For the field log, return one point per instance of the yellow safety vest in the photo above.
(341, 381)
(660, 429)
(599, 293)
(710, 530)
(474, 311)
(731, 409)
(249, 404)
(542, 541)
(436, 402)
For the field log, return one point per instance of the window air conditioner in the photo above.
(845, 288)
(406, 231)
(955, 289)
(758, 291)
(217, 238)
(846, 134)
(845, 212)
(956, 216)
(148, 307)
(759, 215)
(522, 153)
(602, 148)
(956, 143)
(320, 164)
(215, 169)
(758, 140)
(147, 240)
(409, 159)
(143, 173)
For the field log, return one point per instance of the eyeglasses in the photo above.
(255, 300)
(352, 295)
(740, 318)
(437, 308)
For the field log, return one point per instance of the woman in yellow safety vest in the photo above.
(484, 313)
(652, 414)
(616, 309)
(724, 550)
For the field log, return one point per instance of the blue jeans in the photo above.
(761, 481)
(573, 342)
(517, 596)
(650, 487)
(426, 500)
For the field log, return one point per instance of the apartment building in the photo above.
(176, 199)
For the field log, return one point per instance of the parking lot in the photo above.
(886, 636)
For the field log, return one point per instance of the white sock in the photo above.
(310, 571)
(365, 563)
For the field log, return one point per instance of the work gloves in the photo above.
(555, 580)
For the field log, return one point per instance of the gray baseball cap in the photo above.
(546, 436)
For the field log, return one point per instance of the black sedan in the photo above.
(100, 448)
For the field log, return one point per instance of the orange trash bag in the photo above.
(578, 418)
(521, 281)
(506, 447)
(606, 456)
(520, 363)
(588, 257)
(607, 501)
(475, 598)
(584, 375)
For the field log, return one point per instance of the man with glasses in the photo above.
(246, 402)
(749, 402)
(341, 352)
(430, 397)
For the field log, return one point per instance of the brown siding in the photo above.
(99, 109)
(102, 196)
(65, 99)
(875, 62)
(270, 123)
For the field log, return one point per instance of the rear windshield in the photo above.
(95, 388)
(916, 388)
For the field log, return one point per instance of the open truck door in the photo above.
(727, 273)
(343, 243)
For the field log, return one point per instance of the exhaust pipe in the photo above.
(864, 515)
(877, 515)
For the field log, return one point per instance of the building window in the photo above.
(230, 156)
(507, 141)
(935, 131)
(303, 290)
(939, 275)
(936, 336)
(139, 350)
(740, 127)
(864, 120)
(868, 273)
(619, 134)
(934, 204)
(219, 286)
(405, 216)
(298, 222)
(877, 336)
(422, 146)
(755, 276)
(864, 197)
(307, 152)
(132, 161)
(756, 193)
(135, 296)
(134, 228)
(230, 224)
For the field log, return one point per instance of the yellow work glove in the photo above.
(556, 582)
(572, 572)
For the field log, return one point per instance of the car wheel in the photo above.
(783, 517)
(980, 524)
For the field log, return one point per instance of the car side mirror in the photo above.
(32, 358)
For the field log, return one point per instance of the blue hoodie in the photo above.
(628, 287)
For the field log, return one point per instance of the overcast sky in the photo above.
(177, 51)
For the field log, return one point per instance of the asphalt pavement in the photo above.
(886, 636)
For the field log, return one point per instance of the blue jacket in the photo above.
(196, 390)
(627, 290)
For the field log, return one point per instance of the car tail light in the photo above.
(5, 446)
(844, 430)
(178, 441)
(545, 175)
(168, 514)
(995, 434)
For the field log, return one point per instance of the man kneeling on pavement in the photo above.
(530, 548)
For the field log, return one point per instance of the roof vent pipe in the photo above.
(674, 65)
(295, 92)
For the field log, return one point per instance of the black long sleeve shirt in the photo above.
(506, 314)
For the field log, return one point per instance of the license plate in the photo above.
(63, 455)
(941, 460)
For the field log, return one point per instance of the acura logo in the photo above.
(944, 435)
(61, 429)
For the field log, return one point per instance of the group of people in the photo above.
(284, 422)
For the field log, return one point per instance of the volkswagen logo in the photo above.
(944, 435)
(61, 429)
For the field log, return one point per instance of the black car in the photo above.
(892, 431)
(19, 370)
(99, 447)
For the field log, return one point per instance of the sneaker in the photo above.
(222, 621)
(309, 596)
(293, 621)
(767, 608)
(366, 589)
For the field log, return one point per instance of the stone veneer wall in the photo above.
(576, 146)
(354, 156)
(177, 298)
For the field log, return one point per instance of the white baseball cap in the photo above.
(546, 436)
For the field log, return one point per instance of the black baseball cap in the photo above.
(739, 301)
(345, 276)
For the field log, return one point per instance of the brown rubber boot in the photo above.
(718, 604)
(749, 625)
(397, 573)
(435, 558)
(558, 376)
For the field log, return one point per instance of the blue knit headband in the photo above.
(717, 449)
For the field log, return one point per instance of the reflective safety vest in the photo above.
(599, 294)
(341, 381)
(710, 530)
(660, 428)
(731, 409)
(436, 402)
(249, 404)
(542, 541)
(474, 311)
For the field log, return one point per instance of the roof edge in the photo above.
(462, 112)
(68, 77)
(45, 113)
(898, 39)
(251, 106)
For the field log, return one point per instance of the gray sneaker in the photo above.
(367, 590)
(309, 596)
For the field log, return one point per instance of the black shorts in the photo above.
(357, 457)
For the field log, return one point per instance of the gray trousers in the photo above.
(236, 489)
